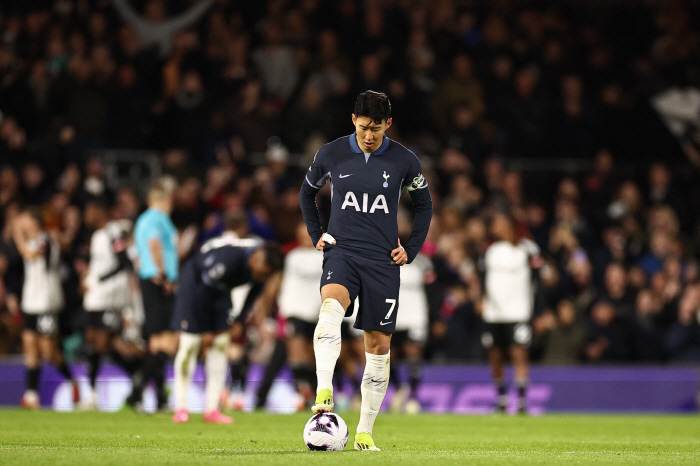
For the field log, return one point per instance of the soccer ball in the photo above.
(326, 432)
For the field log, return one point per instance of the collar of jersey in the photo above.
(356, 147)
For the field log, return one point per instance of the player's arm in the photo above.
(156, 249)
(119, 247)
(536, 263)
(264, 302)
(313, 181)
(423, 210)
(20, 239)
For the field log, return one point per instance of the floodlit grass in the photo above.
(128, 439)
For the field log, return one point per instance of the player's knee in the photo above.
(336, 292)
(378, 350)
(47, 354)
(332, 305)
(29, 341)
(377, 347)
(332, 313)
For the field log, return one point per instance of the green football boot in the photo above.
(324, 402)
(364, 442)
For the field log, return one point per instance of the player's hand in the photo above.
(169, 287)
(399, 255)
(325, 239)
(158, 279)
(237, 331)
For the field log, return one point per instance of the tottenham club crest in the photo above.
(386, 180)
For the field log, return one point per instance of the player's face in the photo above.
(501, 228)
(370, 134)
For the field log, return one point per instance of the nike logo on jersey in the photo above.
(329, 276)
(385, 323)
(344, 176)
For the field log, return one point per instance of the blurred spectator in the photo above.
(276, 64)
(154, 28)
(648, 344)
(560, 335)
(461, 89)
(608, 335)
(683, 337)
(616, 291)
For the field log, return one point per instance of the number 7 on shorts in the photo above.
(393, 305)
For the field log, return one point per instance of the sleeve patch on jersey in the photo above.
(418, 182)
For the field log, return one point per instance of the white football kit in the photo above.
(299, 296)
(42, 292)
(106, 290)
(413, 299)
(510, 292)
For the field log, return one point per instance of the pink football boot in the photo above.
(181, 416)
(216, 417)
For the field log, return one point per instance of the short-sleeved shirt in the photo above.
(42, 291)
(155, 224)
(365, 193)
(107, 284)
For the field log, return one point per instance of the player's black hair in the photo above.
(235, 219)
(273, 256)
(374, 105)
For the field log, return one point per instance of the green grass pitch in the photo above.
(128, 439)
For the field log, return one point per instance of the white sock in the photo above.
(327, 342)
(185, 364)
(215, 366)
(375, 380)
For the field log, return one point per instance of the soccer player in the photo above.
(510, 269)
(361, 250)
(155, 237)
(42, 300)
(202, 310)
(107, 290)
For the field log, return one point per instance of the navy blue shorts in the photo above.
(375, 284)
(198, 307)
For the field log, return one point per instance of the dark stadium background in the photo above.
(579, 117)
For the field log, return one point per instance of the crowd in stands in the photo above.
(480, 90)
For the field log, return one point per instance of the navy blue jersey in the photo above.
(222, 262)
(365, 194)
